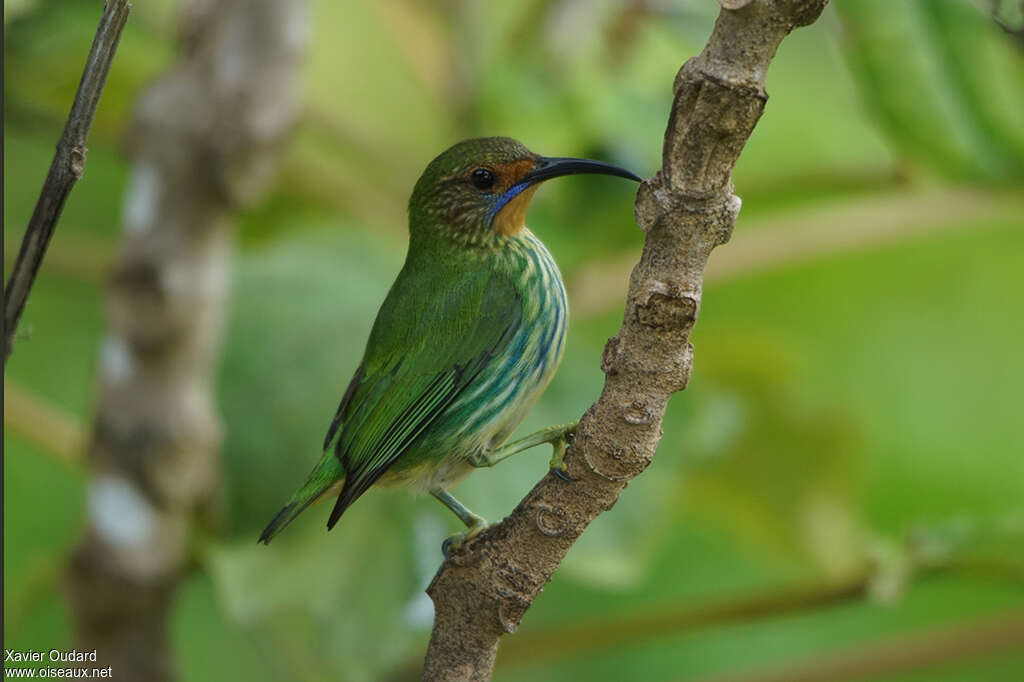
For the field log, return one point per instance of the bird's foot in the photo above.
(455, 541)
(475, 524)
(559, 445)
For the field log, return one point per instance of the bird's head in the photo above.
(478, 190)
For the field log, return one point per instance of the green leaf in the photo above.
(936, 78)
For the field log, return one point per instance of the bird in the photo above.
(468, 337)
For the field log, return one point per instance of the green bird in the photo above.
(467, 339)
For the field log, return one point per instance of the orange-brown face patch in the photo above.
(512, 172)
(511, 219)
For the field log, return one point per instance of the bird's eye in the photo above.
(482, 178)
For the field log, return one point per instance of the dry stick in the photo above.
(67, 166)
(686, 209)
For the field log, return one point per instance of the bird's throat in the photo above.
(511, 219)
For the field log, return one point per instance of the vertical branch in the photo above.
(66, 168)
(686, 209)
(202, 144)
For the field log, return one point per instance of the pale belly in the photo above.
(442, 458)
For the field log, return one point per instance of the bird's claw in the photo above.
(454, 542)
(563, 474)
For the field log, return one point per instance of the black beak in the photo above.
(554, 166)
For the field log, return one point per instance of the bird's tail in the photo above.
(326, 477)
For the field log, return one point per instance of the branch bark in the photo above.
(686, 209)
(203, 141)
(66, 168)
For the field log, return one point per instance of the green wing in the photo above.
(426, 347)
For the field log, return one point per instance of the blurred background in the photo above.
(840, 491)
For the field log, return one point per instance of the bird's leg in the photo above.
(475, 524)
(559, 437)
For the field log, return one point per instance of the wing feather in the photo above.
(339, 416)
(425, 349)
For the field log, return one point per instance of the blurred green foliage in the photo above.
(951, 98)
(862, 399)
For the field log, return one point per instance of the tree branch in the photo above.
(67, 166)
(686, 210)
(204, 140)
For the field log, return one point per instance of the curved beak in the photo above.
(548, 167)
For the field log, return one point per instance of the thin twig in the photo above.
(203, 142)
(67, 166)
(75, 256)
